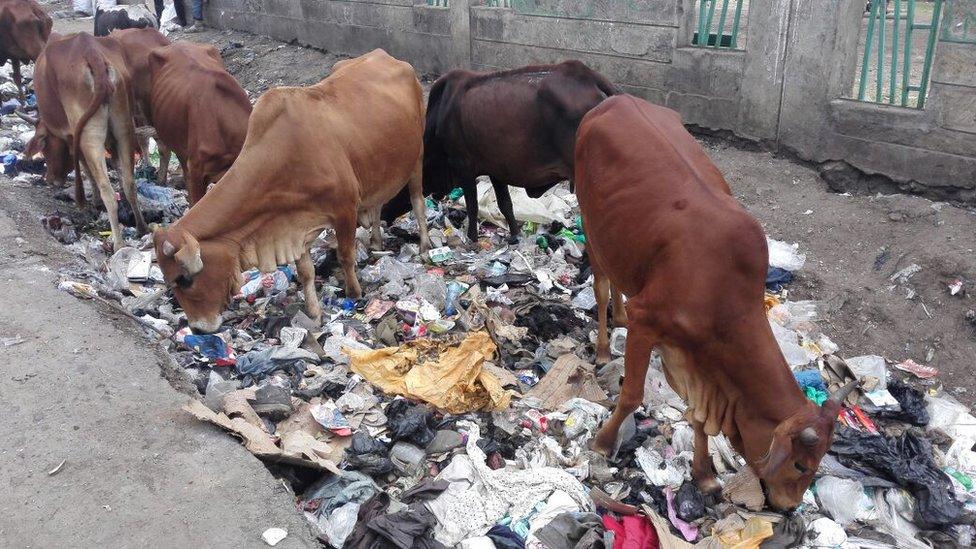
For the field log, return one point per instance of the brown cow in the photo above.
(199, 111)
(313, 157)
(517, 127)
(663, 227)
(24, 28)
(83, 100)
(136, 46)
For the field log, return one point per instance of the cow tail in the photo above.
(103, 89)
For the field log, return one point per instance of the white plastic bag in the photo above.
(785, 256)
(844, 500)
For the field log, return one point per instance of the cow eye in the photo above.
(183, 281)
(799, 467)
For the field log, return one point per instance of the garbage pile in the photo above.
(453, 405)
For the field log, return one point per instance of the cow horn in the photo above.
(189, 255)
(168, 248)
(840, 395)
(809, 436)
(27, 118)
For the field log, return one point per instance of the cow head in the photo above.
(798, 444)
(203, 276)
(24, 29)
(56, 151)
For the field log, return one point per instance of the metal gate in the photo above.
(894, 76)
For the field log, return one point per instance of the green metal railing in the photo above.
(442, 3)
(498, 3)
(706, 23)
(898, 83)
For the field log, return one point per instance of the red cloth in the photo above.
(632, 532)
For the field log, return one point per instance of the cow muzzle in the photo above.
(206, 326)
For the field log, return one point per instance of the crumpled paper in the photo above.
(452, 378)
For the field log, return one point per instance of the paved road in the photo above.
(87, 388)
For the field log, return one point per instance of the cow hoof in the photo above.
(513, 240)
(602, 358)
(603, 450)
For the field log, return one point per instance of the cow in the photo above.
(517, 127)
(24, 29)
(662, 227)
(199, 111)
(133, 16)
(313, 157)
(83, 99)
(136, 46)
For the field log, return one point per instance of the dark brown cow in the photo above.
(83, 99)
(663, 227)
(24, 28)
(517, 127)
(199, 111)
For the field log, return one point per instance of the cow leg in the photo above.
(345, 228)
(126, 164)
(415, 185)
(601, 288)
(162, 174)
(18, 80)
(636, 359)
(375, 231)
(471, 204)
(701, 466)
(196, 186)
(93, 151)
(306, 277)
(619, 312)
(504, 199)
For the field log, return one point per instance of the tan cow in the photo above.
(199, 111)
(693, 266)
(24, 28)
(137, 44)
(313, 157)
(84, 104)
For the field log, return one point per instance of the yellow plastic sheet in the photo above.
(450, 377)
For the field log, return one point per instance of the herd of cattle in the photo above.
(662, 226)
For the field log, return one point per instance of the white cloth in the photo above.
(478, 496)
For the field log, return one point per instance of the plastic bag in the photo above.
(787, 340)
(844, 500)
(785, 256)
(339, 524)
(906, 460)
(911, 402)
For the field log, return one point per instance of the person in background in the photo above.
(177, 5)
(197, 12)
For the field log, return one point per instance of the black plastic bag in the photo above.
(912, 405)
(368, 455)
(906, 460)
(689, 502)
(409, 422)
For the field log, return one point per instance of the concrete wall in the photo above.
(785, 86)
